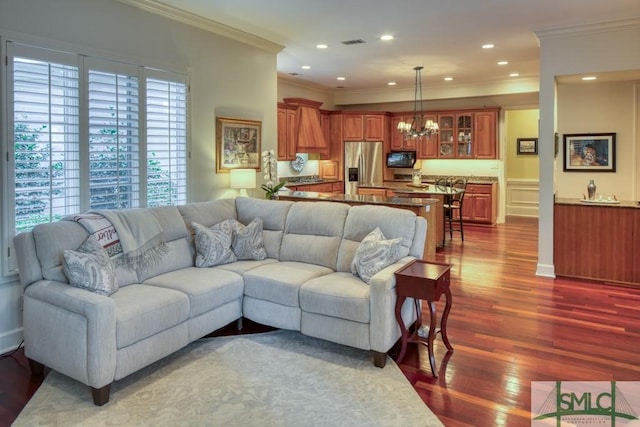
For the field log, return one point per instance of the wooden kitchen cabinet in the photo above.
(480, 204)
(372, 192)
(485, 127)
(398, 141)
(329, 169)
(363, 127)
(287, 131)
(337, 187)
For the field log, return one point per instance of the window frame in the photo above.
(11, 48)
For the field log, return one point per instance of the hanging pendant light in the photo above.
(418, 126)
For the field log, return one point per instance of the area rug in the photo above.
(279, 378)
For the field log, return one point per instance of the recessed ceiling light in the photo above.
(386, 37)
(322, 46)
(503, 62)
(341, 78)
(391, 84)
(589, 78)
(488, 46)
(514, 74)
(448, 79)
(306, 67)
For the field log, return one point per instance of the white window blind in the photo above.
(166, 142)
(113, 140)
(45, 117)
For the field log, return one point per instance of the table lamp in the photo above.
(242, 179)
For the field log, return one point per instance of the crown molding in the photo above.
(202, 23)
(581, 30)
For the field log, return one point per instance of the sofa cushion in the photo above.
(143, 311)
(207, 213)
(362, 219)
(314, 241)
(375, 253)
(51, 240)
(274, 216)
(243, 266)
(90, 268)
(280, 282)
(340, 295)
(213, 244)
(248, 241)
(207, 288)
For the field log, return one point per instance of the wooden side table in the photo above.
(427, 281)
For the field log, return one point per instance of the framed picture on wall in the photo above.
(593, 152)
(527, 146)
(238, 144)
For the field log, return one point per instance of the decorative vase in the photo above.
(591, 189)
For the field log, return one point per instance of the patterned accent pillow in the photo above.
(248, 242)
(90, 268)
(375, 253)
(213, 244)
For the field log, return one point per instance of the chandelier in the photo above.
(418, 126)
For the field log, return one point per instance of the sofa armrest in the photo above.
(71, 330)
(384, 330)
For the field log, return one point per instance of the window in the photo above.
(166, 142)
(90, 133)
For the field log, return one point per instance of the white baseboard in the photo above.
(546, 270)
(10, 340)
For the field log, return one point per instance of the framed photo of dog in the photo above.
(593, 152)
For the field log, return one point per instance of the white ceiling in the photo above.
(444, 36)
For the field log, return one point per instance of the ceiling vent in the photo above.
(350, 42)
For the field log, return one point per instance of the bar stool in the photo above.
(453, 207)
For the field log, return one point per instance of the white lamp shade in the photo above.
(242, 178)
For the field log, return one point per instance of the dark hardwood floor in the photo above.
(507, 326)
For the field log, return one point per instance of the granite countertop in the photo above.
(404, 187)
(430, 179)
(582, 202)
(356, 198)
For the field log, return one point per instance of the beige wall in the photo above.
(597, 48)
(227, 78)
(520, 124)
(599, 108)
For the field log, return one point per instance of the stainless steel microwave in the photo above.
(401, 159)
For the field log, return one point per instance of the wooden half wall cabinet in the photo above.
(597, 242)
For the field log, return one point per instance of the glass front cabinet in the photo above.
(467, 135)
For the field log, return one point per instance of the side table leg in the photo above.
(443, 321)
(404, 336)
(431, 336)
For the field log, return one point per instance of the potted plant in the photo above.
(269, 163)
(271, 190)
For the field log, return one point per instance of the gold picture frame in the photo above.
(238, 144)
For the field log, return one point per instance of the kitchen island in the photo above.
(424, 207)
(426, 191)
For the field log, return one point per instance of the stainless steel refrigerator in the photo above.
(363, 164)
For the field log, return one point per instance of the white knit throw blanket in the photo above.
(132, 237)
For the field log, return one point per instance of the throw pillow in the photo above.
(90, 268)
(248, 241)
(213, 244)
(375, 253)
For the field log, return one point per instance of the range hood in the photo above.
(309, 135)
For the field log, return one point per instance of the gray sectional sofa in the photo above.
(305, 284)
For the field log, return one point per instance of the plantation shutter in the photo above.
(114, 160)
(45, 121)
(166, 130)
